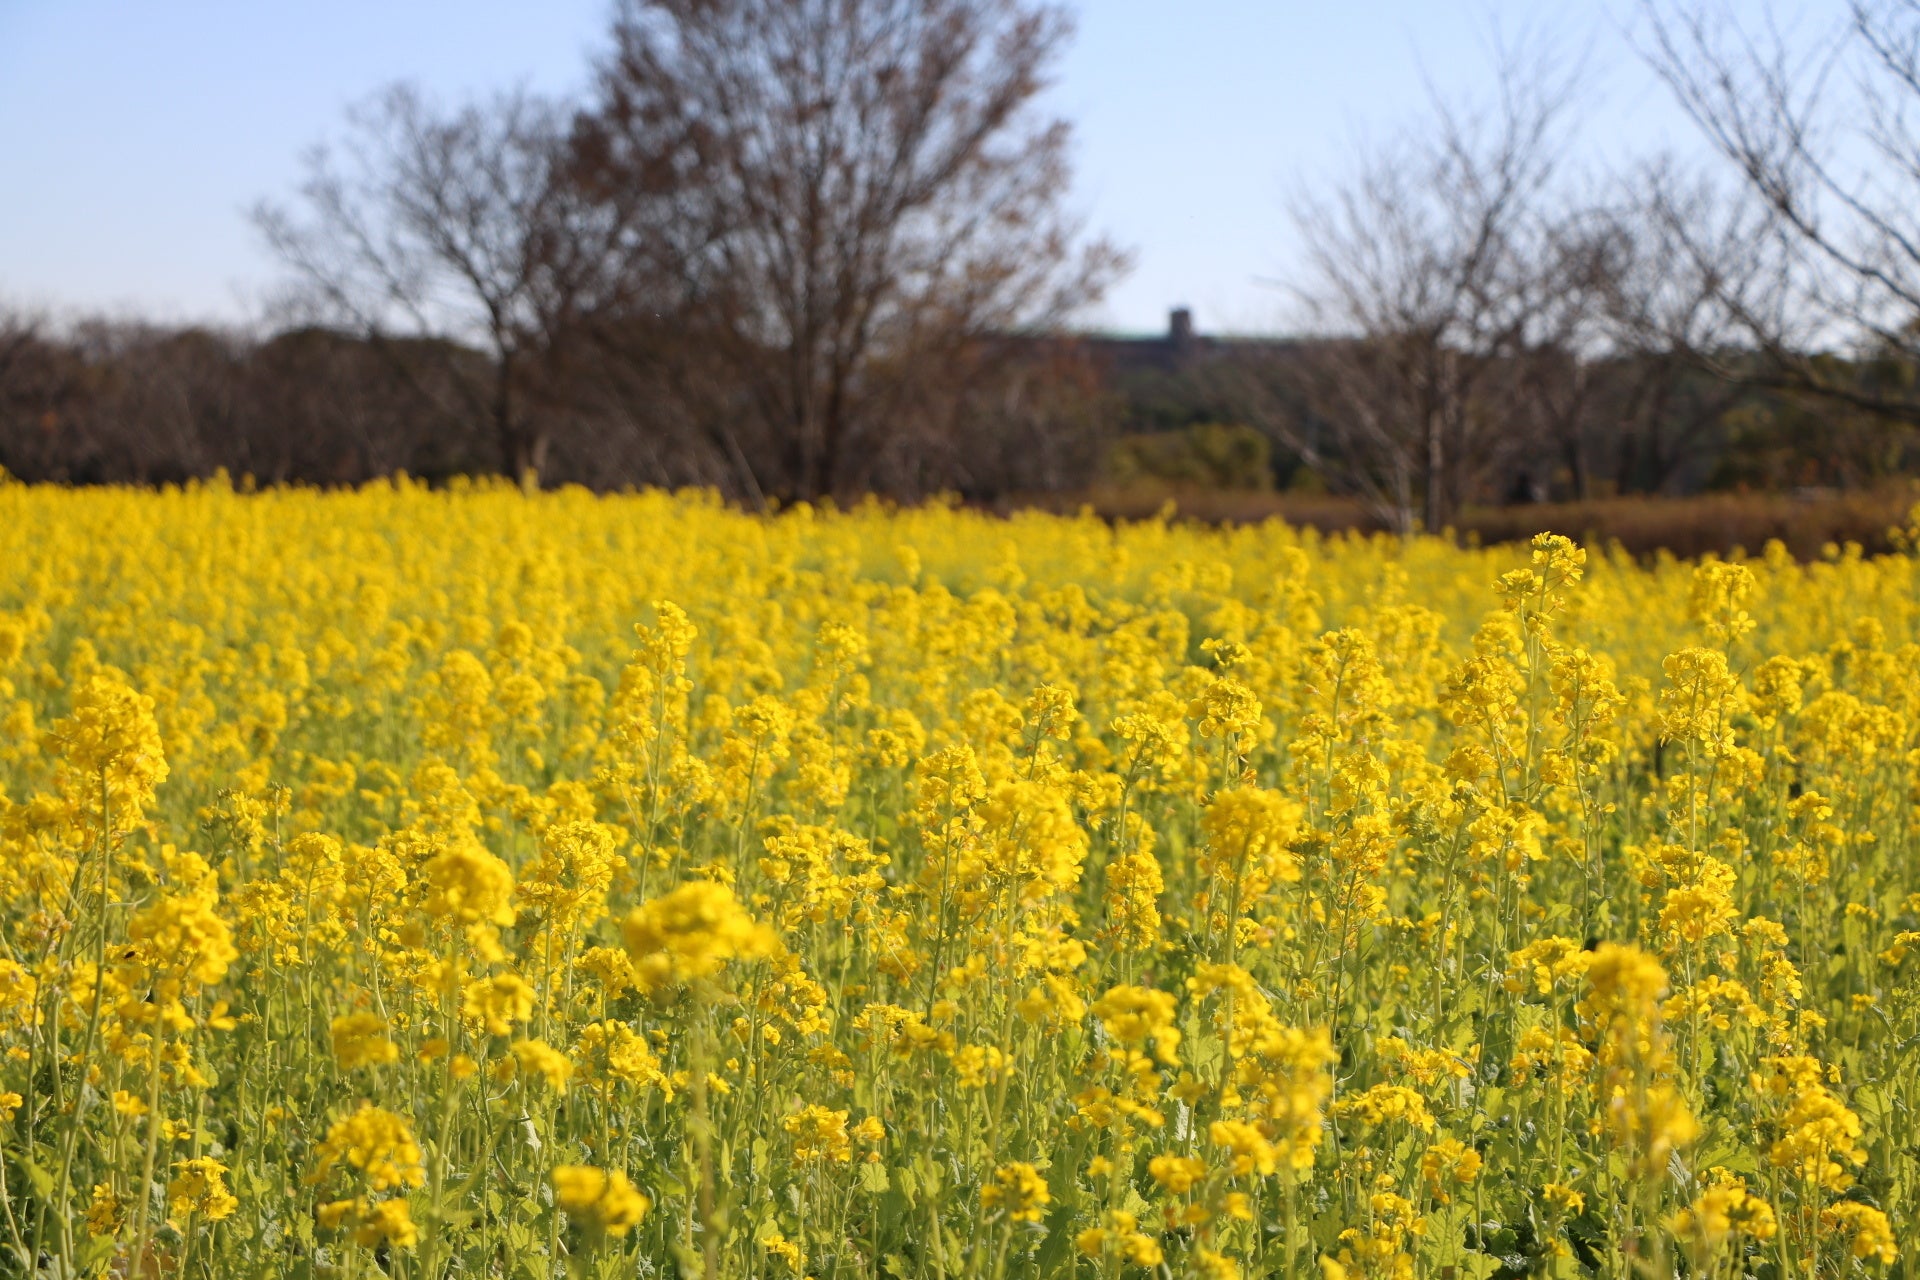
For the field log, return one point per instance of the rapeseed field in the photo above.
(470, 883)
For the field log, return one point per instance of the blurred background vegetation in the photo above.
(815, 252)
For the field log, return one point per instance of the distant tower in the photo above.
(1180, 328)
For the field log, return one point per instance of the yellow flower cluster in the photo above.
(445, 882)
(603, 1201)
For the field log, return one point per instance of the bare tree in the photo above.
(1819, 128)
(1550, 379)
(20, 329)
(1631, 356)
(1425, 268)
(458, 226)
(333, 408)
(39, 379)
(864, 191)
(1697, 265)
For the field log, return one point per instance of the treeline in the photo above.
(794, 249)
(109, 403)
(133, 404)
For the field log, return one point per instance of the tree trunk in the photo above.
(1433, 513)
(1577, 467)
(513, 449)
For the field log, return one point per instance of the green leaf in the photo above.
(41, 1179)
(1055, 1254)
(96, 1250)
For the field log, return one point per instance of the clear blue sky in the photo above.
(135, 134)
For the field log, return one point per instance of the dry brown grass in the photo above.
(1147, 499)
(1805, 522)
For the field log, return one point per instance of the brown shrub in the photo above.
(1805, 521)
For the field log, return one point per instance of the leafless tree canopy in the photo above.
(1818, 128)
(869, 193)
(773, 245)
(1492, 326)
(1442, 254)
(447, 225)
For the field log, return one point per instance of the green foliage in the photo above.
(1212, 454)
